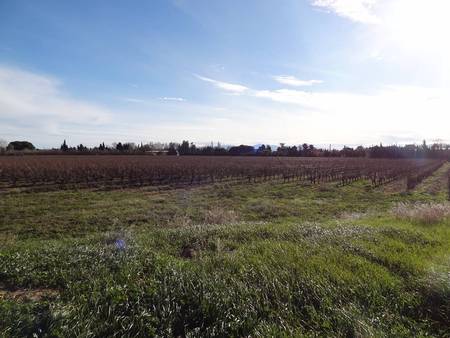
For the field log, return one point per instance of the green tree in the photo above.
(20, 146)
(184, 148)
(64, 146)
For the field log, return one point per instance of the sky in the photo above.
(340, 72)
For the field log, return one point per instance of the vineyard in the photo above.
(62, 172)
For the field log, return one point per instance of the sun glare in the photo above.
(418, 25)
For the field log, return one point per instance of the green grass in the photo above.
(78, 213)
(301, 261)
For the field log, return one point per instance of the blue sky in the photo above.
(293, 71)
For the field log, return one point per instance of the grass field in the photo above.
(227, 260)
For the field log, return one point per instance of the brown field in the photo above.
(66, 171)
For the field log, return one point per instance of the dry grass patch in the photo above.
(218, 215)
(426, 213)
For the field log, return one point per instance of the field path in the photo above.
(436, 184)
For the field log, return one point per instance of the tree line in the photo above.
(186, 148)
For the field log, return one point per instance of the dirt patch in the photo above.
(188, 252)
(34, 295)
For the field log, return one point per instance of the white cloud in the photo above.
(318, 101)
(28, 97)
(394, 110)
(293, 81)
(349, 117)
(176, 99)
(356, 10)
(164, 98)
(230, 87)
(132, 100)
(35, 107)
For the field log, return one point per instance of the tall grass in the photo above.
(425, 213)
